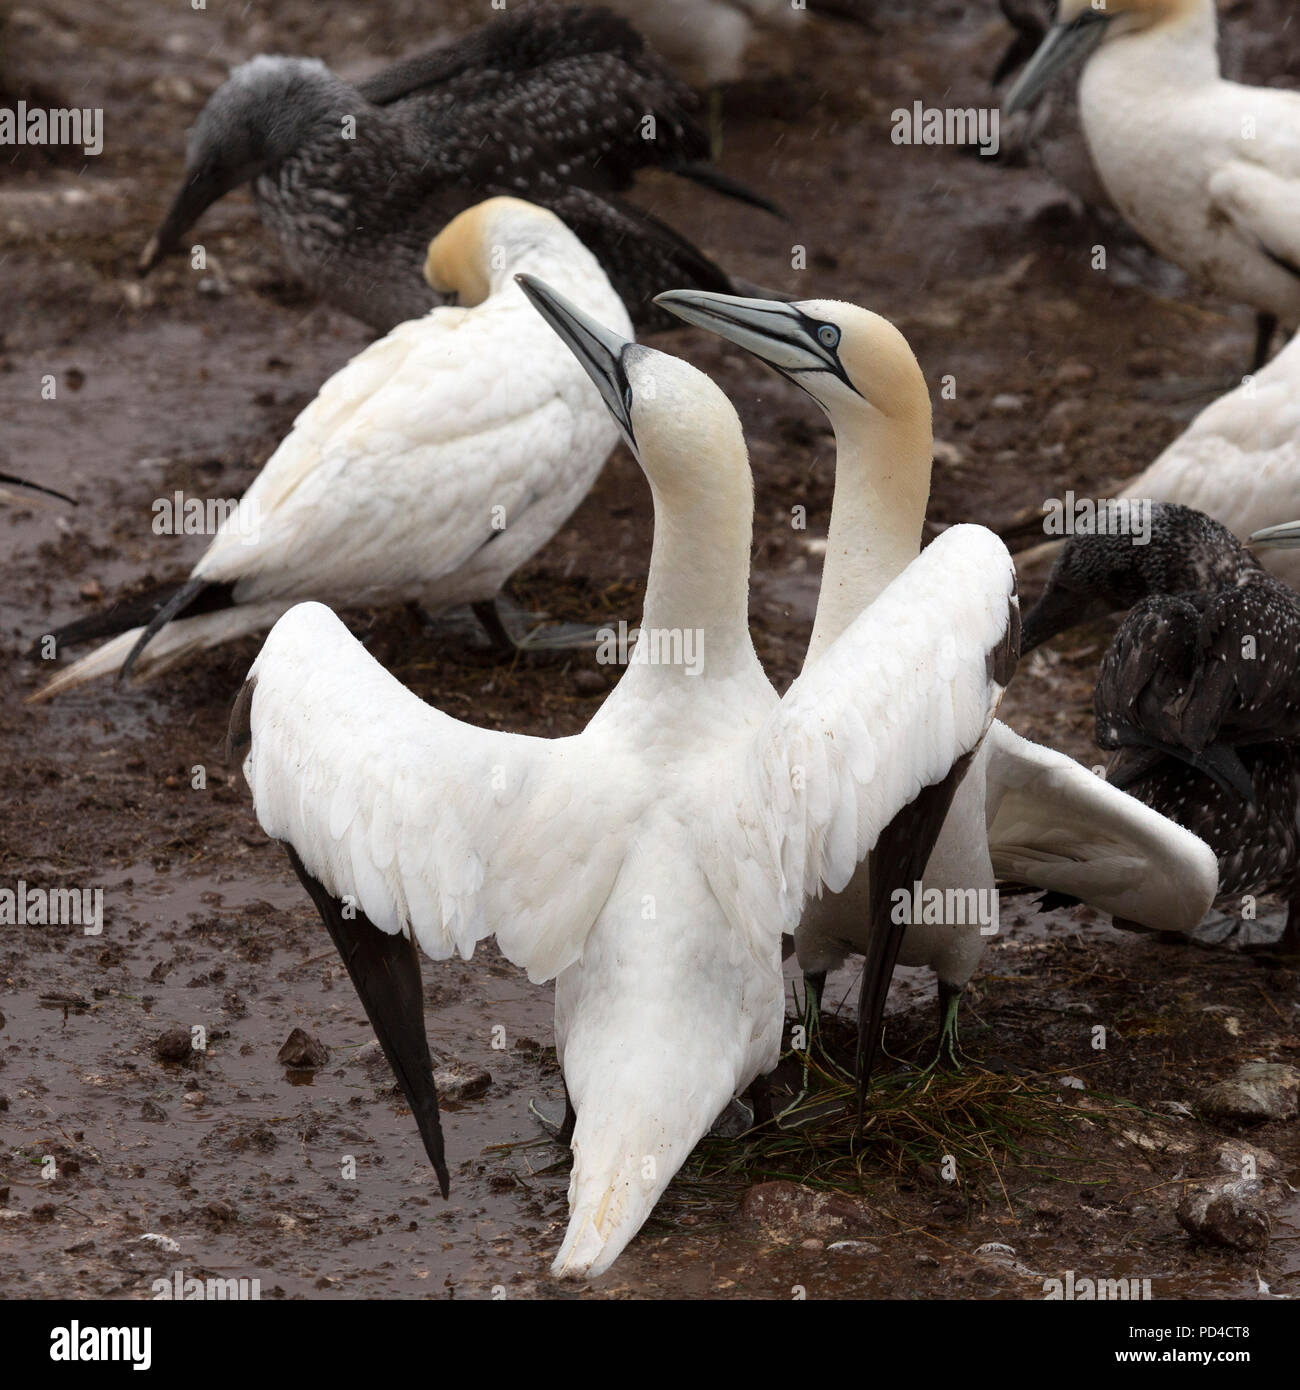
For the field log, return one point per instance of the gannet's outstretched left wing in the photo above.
(407, 826)
(1055, 825)
(864, 753)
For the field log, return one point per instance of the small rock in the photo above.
(1233, 1156)
(1257, 1091)
(91, 590)
(1007, 404)
(948, 454)
(162, 1242)
(1226, 1213)
(788, 1213)
(302, 1052)
(461, 1081)
(173, 1045)
(853, 1247)
(153, 1112)
(589, 682)
(812, 1244)
(194, 1097)
(1075, 374)
(1145, 363)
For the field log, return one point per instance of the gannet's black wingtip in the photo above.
(181, 599)
(15, 481)
(385, 972)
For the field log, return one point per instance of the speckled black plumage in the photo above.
(544, 104)
(1199, 691)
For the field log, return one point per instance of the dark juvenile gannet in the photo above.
(1024, 813)
(650, 863)
(547, 104)
(1198, 694)
(427, 470)
(1207, 171)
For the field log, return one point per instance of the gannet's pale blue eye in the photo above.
(828, 335)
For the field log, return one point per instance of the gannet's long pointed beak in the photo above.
(1283, 537)
(781, 335)
(599, 349)
(1064, 45)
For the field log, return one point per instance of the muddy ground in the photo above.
(1066, 378)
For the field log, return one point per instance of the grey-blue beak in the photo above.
(1283, 537)
(600, 350)
(780, 334)
(1064, 46)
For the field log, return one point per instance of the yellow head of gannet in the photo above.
(843, 356)
(473, 254)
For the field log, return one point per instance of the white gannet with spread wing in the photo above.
(1207, 171)
(427, 470)
(650, 863)
(1024, 813)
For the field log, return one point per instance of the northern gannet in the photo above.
(427, 470)
(1198, 694)
(1207, 171)
(650, 863)
(1238, 462)
(1024, 813)
(551, 105)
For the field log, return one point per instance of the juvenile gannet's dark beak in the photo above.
(202, 187)
(1064, 45)
(1283, 537)
(781, 335)
(600, 350)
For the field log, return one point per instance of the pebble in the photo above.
(1227, 1212)
(1075, 374)
(173, 1045)
(1257, 1091)
(194, 1098)
(1007, 404)
(461, 1081)
(302, 1052)
(788, 1213)
(589, 682)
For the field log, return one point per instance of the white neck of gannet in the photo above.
(699, 568)
(882, 486)
(1180, 51)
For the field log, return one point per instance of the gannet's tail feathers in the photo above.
(174, 644)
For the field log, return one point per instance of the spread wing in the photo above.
(432, 828)
(896, 707)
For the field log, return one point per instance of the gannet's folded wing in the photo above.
(1053, 824)
(893, 710)
(1263, 204)
(428, 826)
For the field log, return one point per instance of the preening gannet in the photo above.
(1198, 694)
(1207, 171)
(650, 863)
(550, 104)
(1024, 813)
(430, 468)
